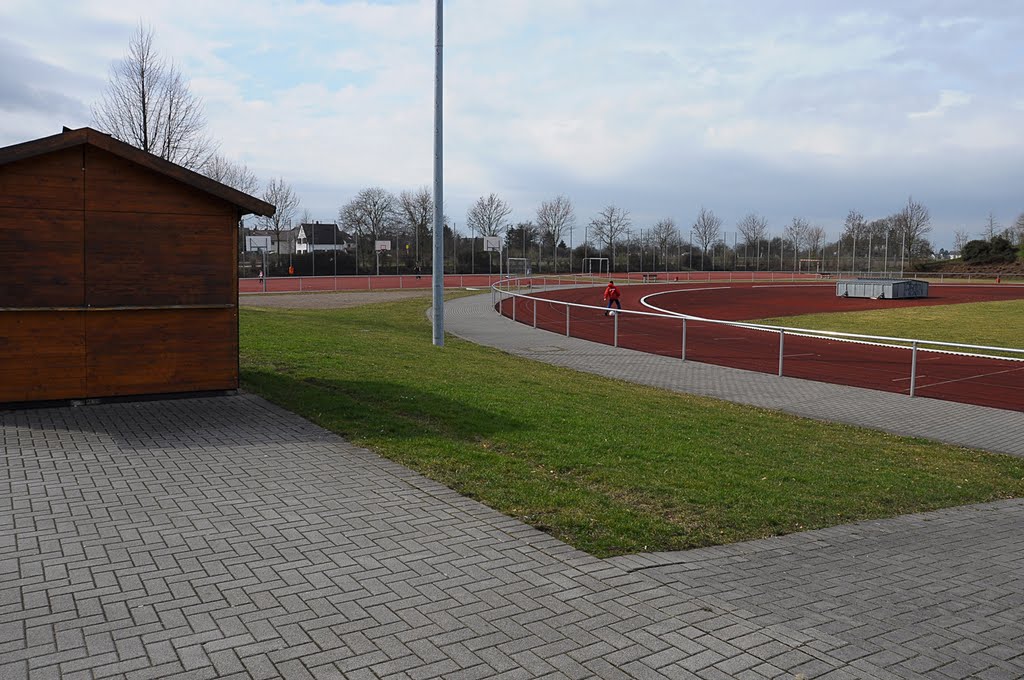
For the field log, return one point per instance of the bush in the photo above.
(989, 252)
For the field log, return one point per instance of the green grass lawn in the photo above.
(610, 467)
(994, 324)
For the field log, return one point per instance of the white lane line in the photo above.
(795, 285)
(971, 377)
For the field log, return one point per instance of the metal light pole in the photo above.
(438, 264)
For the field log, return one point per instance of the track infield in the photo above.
(985, 381)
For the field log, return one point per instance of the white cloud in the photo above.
(948, 99)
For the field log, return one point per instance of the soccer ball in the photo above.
(613, 312)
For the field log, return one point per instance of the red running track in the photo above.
(998, 383)
(297, 284)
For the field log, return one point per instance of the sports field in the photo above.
(950, 375)
(610, 467)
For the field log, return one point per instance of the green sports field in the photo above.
(610, 467)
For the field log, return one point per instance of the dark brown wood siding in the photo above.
(165, 350)
(150, 237)
(42, 355)
(185, 260)
(107, 262)
(41, 231)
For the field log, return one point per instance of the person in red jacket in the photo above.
(612, 295)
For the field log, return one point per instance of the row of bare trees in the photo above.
(374, 213)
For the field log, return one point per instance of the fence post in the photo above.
(615, 336)
(684, 338)
(782, 343)
(535, 312)
(567, 321)
(514, 307)
(913, 367)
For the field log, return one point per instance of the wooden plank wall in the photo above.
(42, 231)
(162, 350)
(153, 241)
(150, 237)
(42, 355)
(121, 281)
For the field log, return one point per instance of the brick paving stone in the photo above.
(225, 537)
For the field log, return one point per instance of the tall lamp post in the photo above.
(438, 264)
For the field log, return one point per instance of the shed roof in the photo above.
(88, 136)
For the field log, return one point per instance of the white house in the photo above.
(315, 236)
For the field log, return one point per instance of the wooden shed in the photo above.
(118, 272)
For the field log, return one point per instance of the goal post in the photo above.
(812, 265)
(518, 266)
(596, 265)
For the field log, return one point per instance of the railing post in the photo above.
(567, 321)
(782, 344)
(535, 312)
(514, 307)
(913, 367)
(684, 338)
(615, 336)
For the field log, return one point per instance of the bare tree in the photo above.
(609, 225)
(148, 104)
(417, 214)
(235, 175)
(488, 216)
(553, 218)
(707, 229)
(664, 234)
(279, 194)
(912, 223)
(855, 231)
(753, 228)
(1017, 231)
(854, 224)
(815, 238)
(991, 228)
(960, 239)
(373, 214)
(797, 233)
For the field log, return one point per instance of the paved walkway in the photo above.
(979, 427)
(227, 538)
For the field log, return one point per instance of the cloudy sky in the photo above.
(787, 108)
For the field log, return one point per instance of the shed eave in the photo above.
(87, 136)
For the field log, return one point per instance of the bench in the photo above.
(649, 278)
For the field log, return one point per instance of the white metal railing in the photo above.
(503, 290)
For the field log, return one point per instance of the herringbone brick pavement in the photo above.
(227, 538)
